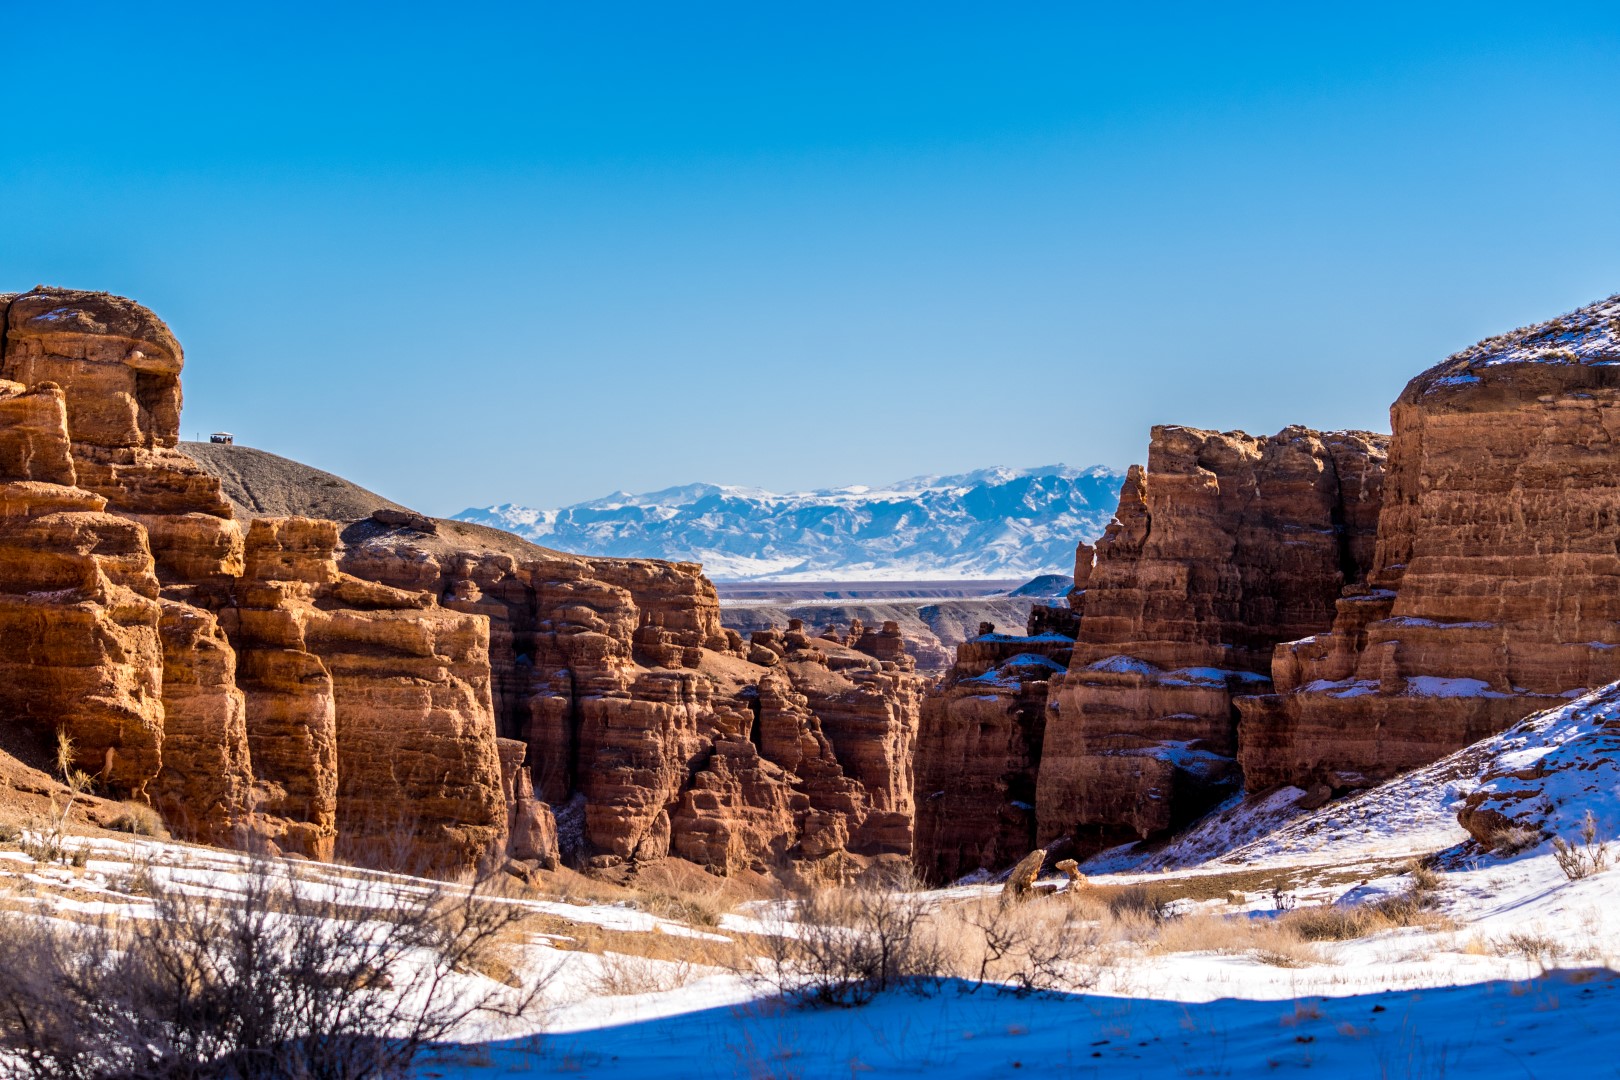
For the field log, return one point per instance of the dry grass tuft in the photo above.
(1414, 907)
(138, 819)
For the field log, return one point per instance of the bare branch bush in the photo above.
(844, 946)
(277, 974)
(1590, 857)
(1044, 944)
(46, 841)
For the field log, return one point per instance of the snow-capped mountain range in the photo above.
(993, 523)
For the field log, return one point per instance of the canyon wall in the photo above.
(1495, 589)
(979, 752)
(1225, 545)
(676, 735)
(241, 684)
(389, 688)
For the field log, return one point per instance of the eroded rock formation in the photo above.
(979, 752)
(251, 691)
(1495, 587)
(1225, 545)
(681, 738)
(79, 611)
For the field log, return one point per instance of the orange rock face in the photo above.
(1493, 591)
(1224, 546)
(680, 738)
(251, 691)
(979, 753)
(369, 708)
(343, 691)
(119, 367)
(205, 786)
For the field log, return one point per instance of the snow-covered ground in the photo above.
(1518, 986)
(1510, 976)
(1516, 983)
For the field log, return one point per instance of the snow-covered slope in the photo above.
(993, 523)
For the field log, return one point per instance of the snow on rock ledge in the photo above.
(1548, 770)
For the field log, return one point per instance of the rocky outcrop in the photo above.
(1225, 545)
(531, 826)
(79, 610)
(1493, 591)
(682, 739)
(119, 368)
(1541, 777)
(979, 753)
(251, 691)
(384, 741)
(204, 789)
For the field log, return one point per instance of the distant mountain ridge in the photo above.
(991, 523)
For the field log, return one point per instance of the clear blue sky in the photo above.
(464, 253)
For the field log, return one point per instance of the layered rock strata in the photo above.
(1225, 545)
(1495, 587)
(979, 752)
(682, 739)
(79, 611)
(251, 691)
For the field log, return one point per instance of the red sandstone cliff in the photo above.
(979, 752)
(1224, 546)
(1493, 592)
(251, 691)
(680, 739)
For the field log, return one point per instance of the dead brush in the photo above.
(286, 974)
(843, 946)
(1044, 944)
(1269, 941)
(690, 906)
(624, 975)
(1532, 946)
(1514, 840)
(1591, 856)
(138, 819)
(1415, 906)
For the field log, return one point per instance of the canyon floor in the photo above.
(1507, 972)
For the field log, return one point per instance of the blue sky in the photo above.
(472, 253)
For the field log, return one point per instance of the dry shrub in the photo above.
(1514, 840)
(1043, 944)
(1332, 922)
(843, 946)
(622, 975)
(1591, 856)
(692, 896)
(285, 977)
(138, 819)
(1532, 946)
(1271, 941)
(1135, 904)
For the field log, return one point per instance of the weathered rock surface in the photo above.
(251, 691)
(204, 789)
(531, 826)
(682, 739)
(119, 368)
(979, 752)
(78, 602)
(408, 757)
(1493, 592)
(1224, 546)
